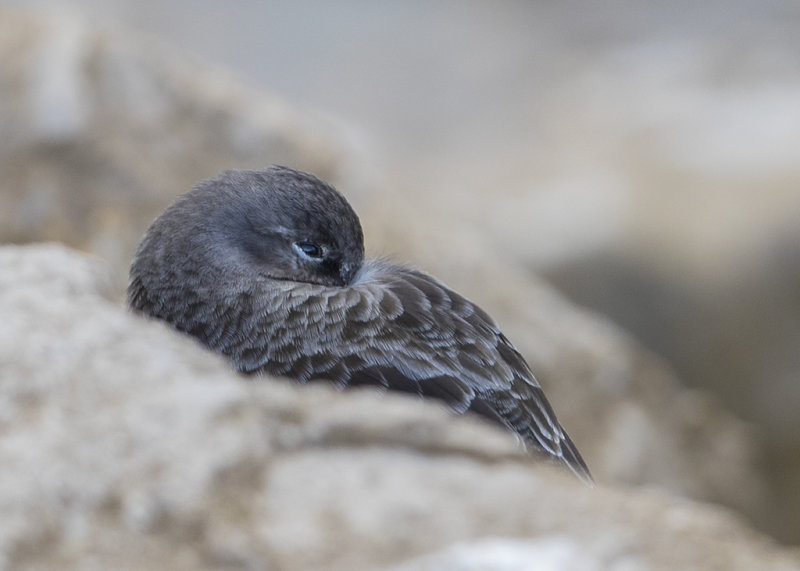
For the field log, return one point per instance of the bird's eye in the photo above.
(309, 251)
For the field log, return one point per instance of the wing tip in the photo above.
(575, 462)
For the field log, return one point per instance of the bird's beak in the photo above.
(347, 272)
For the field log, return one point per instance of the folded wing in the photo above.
(405, 331)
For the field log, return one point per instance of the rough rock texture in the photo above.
(126, 446)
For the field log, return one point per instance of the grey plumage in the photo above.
(267, 268)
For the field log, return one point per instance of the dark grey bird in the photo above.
(267, 268)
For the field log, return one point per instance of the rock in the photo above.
(127, 446)
(556, 552)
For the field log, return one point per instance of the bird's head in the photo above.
(279, 223)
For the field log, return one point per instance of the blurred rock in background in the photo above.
(646, 169)
(100, 133)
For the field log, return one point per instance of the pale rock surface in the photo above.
(126, 446)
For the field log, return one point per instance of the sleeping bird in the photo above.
(267, 268)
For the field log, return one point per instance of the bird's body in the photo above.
(266, 267)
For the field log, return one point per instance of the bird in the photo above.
(267, 267)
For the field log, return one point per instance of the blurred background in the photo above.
(644, 157)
